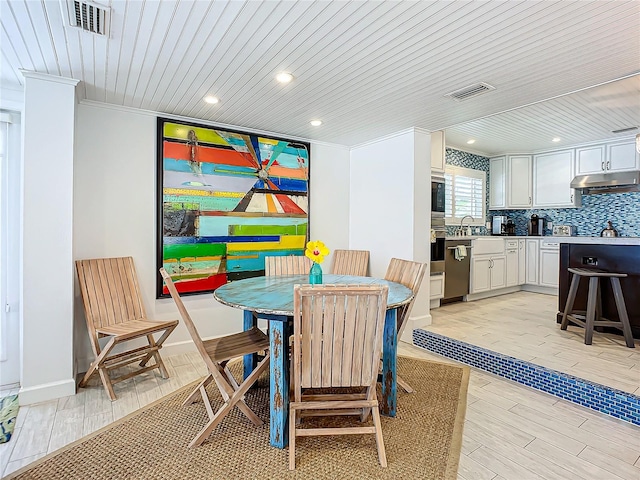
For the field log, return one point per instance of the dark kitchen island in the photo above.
(609, 257)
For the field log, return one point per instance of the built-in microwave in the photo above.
(437, 196)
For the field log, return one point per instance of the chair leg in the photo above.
(382, 456)
(292, 438)
(571, 298)
(235, 399)
(192, 397)
(405, 386)
(622, 312)
(106, 381)
(591, 310)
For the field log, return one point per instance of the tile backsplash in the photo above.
(623, 209)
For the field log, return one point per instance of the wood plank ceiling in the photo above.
(366, 68)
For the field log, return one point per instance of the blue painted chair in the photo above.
(216, 354)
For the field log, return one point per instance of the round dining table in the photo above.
(271, 298)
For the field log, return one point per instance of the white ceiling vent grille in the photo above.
(470, 91)
(88, 16)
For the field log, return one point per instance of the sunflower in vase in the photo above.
(316, 251)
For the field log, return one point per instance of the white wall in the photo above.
(115, 212)
(390, 205)
(47, 226)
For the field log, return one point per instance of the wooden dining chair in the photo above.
(409, 274)
(287, 265)
(113, 308)
(337, 340)
(350, 262)
(216, 353)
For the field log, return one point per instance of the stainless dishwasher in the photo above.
(456, 278)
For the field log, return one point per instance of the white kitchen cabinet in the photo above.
(488, 265)
(498, 272)
(532, 254)
(511, 246)
(497, 182)
(519, 194)
(522, 265)
(480, 274)
(436, 284)
(549, 263)
(437, 152)
(590, 159)
(552, 175)
(620, 156)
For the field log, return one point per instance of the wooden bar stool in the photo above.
(593, 316)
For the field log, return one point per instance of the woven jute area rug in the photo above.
(422, 442)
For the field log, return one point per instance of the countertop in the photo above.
(550, 238)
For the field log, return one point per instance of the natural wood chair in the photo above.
(350, 262)
(337, 340)
(287, 265)
(410, 275)
(113, 308)
(216, 354)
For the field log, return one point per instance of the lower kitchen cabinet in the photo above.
(488, 273)
(549, 264)
(531, 255)
(512, 278)
(522, 262)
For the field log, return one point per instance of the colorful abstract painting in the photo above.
(229, 199)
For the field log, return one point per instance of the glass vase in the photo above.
(315, 274)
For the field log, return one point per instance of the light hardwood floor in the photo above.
(523, 325)
(511, 432)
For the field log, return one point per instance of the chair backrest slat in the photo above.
(350, 262)
(409, 274)
(110, 291)
(287, 265)
(337, 334)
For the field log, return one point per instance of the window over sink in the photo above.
(465, 194)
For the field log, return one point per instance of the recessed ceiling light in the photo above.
(471, 141)
(211, 99)
(284, 77)
(556, 139)
(316, 123)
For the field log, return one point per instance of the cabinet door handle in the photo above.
(572, 198)
(603, 165)
(608, 164)
(490, 263)
(529, 200)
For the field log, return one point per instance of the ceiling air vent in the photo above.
(88, 16)
(624, 130)
(470, 91)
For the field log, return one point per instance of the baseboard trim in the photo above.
(46, 392)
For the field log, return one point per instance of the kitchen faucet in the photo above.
(462, 221)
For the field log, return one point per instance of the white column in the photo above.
(47, 280)
(390, 206)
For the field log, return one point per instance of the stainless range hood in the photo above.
(608, 182)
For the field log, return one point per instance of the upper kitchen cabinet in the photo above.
(552, 175)
(497, 182)
(611, 157)
(519, 186)
(437, 152)
(510, 182)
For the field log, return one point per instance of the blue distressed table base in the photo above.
(388, 402)
(279, 333)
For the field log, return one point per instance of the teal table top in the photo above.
(274, 294)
